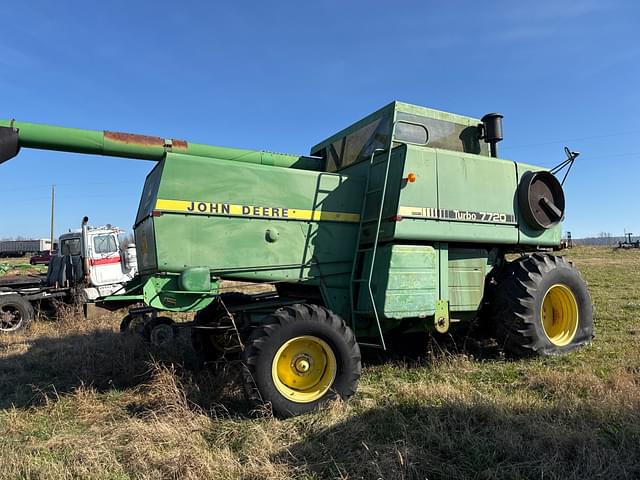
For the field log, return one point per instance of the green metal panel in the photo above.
(467, 271)
(479, 191)
(405, 281)
(195, 279)
(255, 222)
(457, 197)
(421, 193)
(443, 270)
(164, 293)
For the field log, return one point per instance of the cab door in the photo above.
(105, 263)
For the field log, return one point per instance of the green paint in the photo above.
(441, 317)
(467, 269)
(48, 137)
(209, 213)
(195, 279)
(164, 293)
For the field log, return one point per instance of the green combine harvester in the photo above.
(399, 224)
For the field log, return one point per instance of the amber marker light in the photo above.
(411, 177)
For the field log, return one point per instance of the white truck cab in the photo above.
(95, 254)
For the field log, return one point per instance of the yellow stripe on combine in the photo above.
(253, 211)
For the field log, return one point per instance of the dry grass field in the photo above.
(79, 400)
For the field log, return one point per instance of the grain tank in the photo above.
(398, 224)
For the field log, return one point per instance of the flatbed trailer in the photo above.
(21, 297)
(33, 290)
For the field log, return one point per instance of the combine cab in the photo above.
(398, 224)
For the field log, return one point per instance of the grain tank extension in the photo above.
(398, 224)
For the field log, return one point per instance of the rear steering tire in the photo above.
(302, 357)
(541, 306)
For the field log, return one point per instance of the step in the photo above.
(214, 328)
(371, 345)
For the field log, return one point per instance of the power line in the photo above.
(77, 184)
(58, 197)
(554, 142)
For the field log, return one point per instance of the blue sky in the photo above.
(282, 76)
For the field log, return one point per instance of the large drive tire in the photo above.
(541, 306)
(302, 357)
(15, 313)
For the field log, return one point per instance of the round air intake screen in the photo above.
(541, 199)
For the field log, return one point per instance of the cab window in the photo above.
(104, 244)
(70, 246)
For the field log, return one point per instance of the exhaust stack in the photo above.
(492, 131)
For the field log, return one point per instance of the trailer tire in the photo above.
(160, 331)
(16, 313)
(134, 324)
(301, 357)
(541, 307)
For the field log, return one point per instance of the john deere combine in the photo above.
(399, 223)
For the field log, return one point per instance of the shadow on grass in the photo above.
(479, 440)
(38, 368)
(415, 349)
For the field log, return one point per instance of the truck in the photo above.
(401, 224)
(20, 248)
(89, 264)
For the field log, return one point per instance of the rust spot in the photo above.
(179, 144)
(145, 140)
(134, 139)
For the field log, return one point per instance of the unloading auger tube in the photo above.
(15, 135)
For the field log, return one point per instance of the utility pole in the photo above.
(53, 201)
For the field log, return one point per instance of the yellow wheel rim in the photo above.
(560, 315)
(304, 368)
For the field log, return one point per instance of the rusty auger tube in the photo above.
(15, 135)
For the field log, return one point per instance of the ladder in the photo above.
(365, 273)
